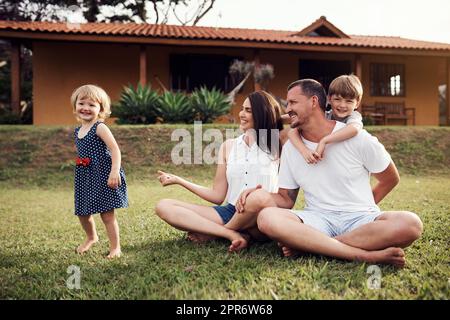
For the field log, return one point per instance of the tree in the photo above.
(203, 7)
(34, 10)
(139, 11)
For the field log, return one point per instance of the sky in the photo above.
(421, 20)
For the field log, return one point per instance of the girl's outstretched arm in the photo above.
(106, 135)
(218, 192)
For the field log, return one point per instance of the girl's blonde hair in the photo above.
(95, 93)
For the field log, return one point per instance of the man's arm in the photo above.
(387, 180)
(285, 198)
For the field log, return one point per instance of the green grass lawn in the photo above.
(39, 233)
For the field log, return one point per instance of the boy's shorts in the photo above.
(335, 223)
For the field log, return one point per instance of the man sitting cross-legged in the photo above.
(341, 218)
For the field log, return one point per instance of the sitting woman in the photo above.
(250, 160)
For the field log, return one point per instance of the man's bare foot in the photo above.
(114, 253)
(392, 256)
(88, 243)
(199, 237)
(239, 242)
(287, 251)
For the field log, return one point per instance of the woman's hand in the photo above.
(114, 180)
(243, 197)
(166, 179)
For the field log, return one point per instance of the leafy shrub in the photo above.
(209, 104)
(368, 121)
(24, 117)
(175, 108)
(8, 117)
(144, 106)
(136, 106)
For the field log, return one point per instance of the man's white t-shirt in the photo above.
(341, 180)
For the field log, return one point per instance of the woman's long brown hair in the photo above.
(266, 115)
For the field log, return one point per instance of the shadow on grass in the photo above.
(266, 252)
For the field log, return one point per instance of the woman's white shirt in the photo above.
(248, 166)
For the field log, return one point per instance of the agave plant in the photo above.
(209, 104)
(136, 106)
(175, 108)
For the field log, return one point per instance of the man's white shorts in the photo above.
(335, 223)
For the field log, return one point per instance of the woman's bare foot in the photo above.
(88, 243)
(199, 237)
(392, 256)
(239, 242)
(287, 251)
(114, 253)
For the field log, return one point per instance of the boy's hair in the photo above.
(96, 94)
(346, 86)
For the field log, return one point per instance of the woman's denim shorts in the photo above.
(225, 212)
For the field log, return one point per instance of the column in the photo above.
(15, 76)
(142, 65)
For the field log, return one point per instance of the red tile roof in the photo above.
(319, 24)
(211, 33)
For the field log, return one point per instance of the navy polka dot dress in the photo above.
(92, 194)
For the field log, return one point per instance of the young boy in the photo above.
(345, 94)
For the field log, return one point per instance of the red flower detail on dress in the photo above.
(82, 161)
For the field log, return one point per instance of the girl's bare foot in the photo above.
(392, 256)
(114, 253)
(199, 237)
(88, 243)
(239, 242)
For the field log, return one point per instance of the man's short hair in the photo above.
(311, 87)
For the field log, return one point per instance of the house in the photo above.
(393, 70)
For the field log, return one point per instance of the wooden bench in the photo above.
(395, 111)
(371, 113)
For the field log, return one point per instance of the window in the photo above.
(191, 71)
(323, 71)
(387, 80)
